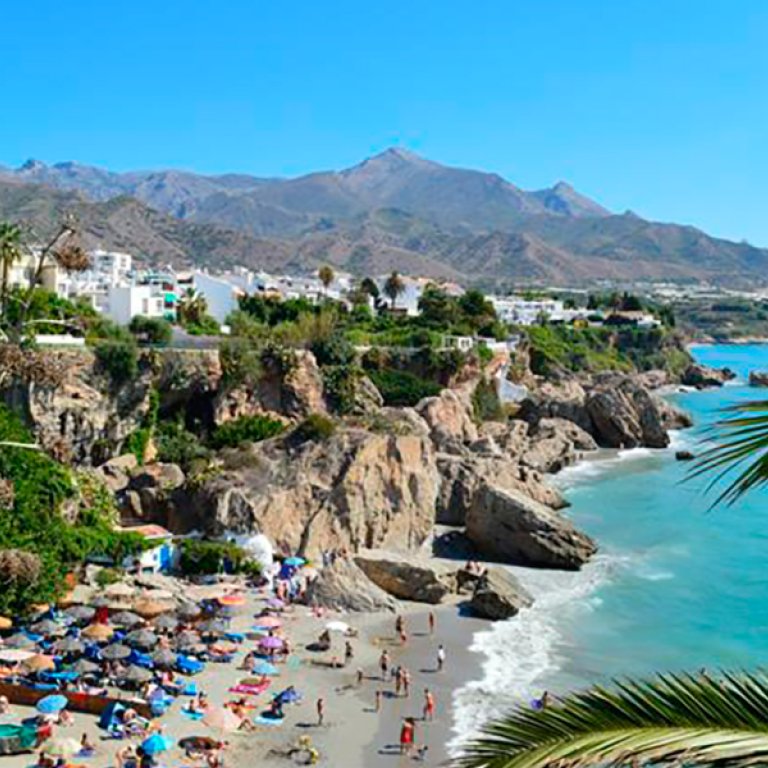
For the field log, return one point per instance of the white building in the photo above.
(220, 292)
(520, 311)
(124, 302)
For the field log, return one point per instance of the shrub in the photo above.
(250, 429)
(203, 326)
(176, 445)
(240, 363)
(199, 556)
(401, 388)
(315, 427)
(340, 383)
(107, 576)
(334, 350)
(118, 359)
(486, 405)
(151, 330)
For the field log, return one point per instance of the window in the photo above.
(145, 306)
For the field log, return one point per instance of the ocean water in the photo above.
(676, 586)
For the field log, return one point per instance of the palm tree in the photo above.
(680, 719)
(326, 275)
(192, 307)
(10, 252)
(393, 287)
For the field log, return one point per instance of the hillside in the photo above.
(394, 210)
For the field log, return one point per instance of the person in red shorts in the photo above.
(407, 734)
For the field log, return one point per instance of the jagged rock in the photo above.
(354, 490)
(556, 443)
(565, 399)
(462, 476)
(655, 379)
(367, 398)
(548, 428)
(625, 415)
(672, 417)
(415, 580)
(153, 493)
(498, 595)
(167, 477)
(115, 473)
(684, 456)
(449, 418)
(485, 446)
(510, 437)
(700, 376)
(344, 587)
(758, 378)
(402, 421)
(507, 525)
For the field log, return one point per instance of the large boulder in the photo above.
(701, 376)
(758, 378)
(624, 414)
(672, 416)
(354, 490)
(511, 527)
(498, 595)
(462, 477)
(412, 579)
(565, 399)
(155, 493)
(556, 443)
(449, 418)
(116, 473)
(344, 587)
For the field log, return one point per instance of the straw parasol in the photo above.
(188, 611)
(149, 609)
(187, 637)
(39, 663)
(80, 613)
(126, 619)
(166, 623)
(5, 622)
(47, 627)
(85, 667)
(69, 646)
(119, 590)
(19, 640)
(221, 719)
(164, 658)
(116, 652)
(61, 746)
(142, 638)
(136, 675)
(98, 632)
(15, 655)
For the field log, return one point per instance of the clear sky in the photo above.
(659, 106)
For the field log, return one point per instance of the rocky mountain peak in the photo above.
(32, 165)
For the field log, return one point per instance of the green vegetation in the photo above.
(723, 319)
(34, 523)
(151, 330)
(251, 429)
(176, 445)
(402, 388)
(118, 359)
(138, 441)
(486, 405)
(315, 427)
(201, 557)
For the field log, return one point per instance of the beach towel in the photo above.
(249, 690)
(192, 715)
(264, 720)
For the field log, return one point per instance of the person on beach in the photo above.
(397, 673)
(429, 705)
(378, 701)
(407, 733)
(399, 625)
(440, 657)
(406, 683)
(360, 677)
(431, 621)
(349, 653)
(320, 711)
(384, 664)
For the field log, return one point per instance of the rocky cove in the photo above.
(389, 486)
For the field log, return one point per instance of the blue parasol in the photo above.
(51, 705)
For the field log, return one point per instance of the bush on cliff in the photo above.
(246, 429)
(118, 359)
(151, 330)
(201, 557)
(315, 427)
(400, 388)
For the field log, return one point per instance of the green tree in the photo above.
(394, 286)
(10, 253)
(192, 307)
(368, 285)
(151, 330)
(326, 276)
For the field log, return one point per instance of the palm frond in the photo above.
(738, 442)
(672, 718)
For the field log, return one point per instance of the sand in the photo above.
(353, 733)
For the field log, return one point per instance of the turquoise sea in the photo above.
(676, 586)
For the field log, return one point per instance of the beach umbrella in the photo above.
(142, 638)
(39, 663)
(276, 603)
(15, 655)
(212, 627)
(231, 601)
(289, 696)
(47, 627)
(98, 632)
(5, 623)
(294, 562)
(136, 675)
(116, 652)
(187, 637)
(268, 622)
(163, 658)
(224, 647)
(149, 609)
(188, 611)
(265, 668)
(221, 719)
(337, 626)
(116, 604)
(38, 609)
(271, 643)
(80, 613)
(69, 645)
(19, 640)
(166, 623)
(120, 589)
(126, 619)
(85, 667)
(50, 705)
(155, 744)
(61, 746)
(101, 601)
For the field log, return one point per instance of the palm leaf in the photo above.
(673, 718)
(738, 442)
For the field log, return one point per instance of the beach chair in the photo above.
(189, 666)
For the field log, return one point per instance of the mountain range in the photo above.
(395, 210)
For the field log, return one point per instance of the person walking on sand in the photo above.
(378, 701)
(431, 621)
(398, 673)
(406, 683)
(440, 657)
(429, 705)
(384, 664)
(399, 625)
(407, 733)
(320, 711)
(349, 653)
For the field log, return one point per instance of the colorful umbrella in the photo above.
(15, 655)
(50, 705)
(294, 561)
(221, 719)
(276, 602)
(98, 632)
(271, 642)
(265, 668)
(156, 743)
(231, 600)
(39, 663)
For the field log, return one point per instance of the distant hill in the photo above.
(395, 210)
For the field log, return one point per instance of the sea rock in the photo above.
(506, 525)
(449, 418)
(462, 477)
(354, 490)
(672, 417)
(655, 379)
(115, 473)
(344, 587)
(510, 437)
(412, 579)
(684, 456)
(758, 378)
(498, 596)
(625, 415)
(565, 399)
(556, 443)
(701, 376)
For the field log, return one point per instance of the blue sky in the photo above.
(659, 107)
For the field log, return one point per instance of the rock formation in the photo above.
(701, 376)
(498, 595)
(758, 378)
(344, 587)
(414, 579)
